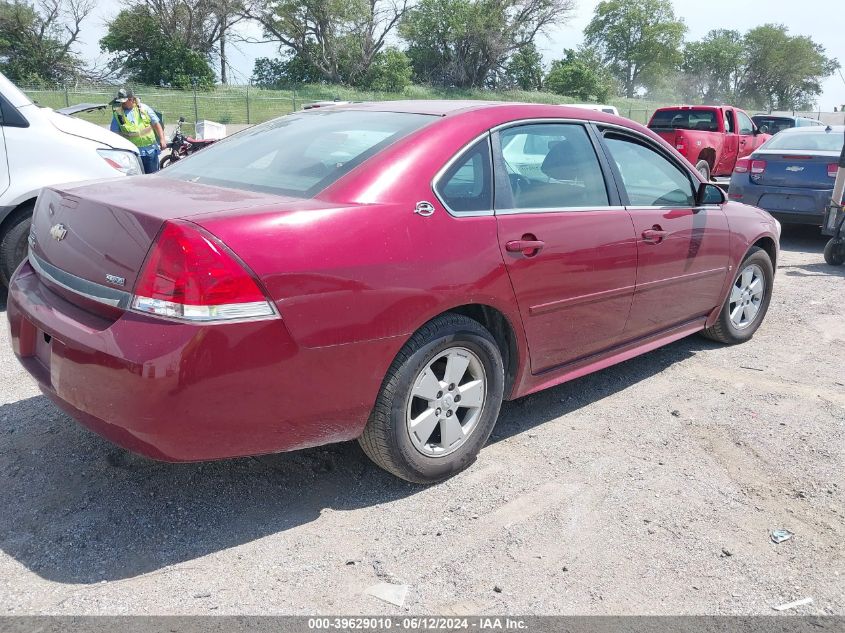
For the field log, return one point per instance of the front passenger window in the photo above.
(650, 179)
(745, 125)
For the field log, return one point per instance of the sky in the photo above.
(815, 18)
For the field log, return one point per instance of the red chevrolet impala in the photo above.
(388, 272)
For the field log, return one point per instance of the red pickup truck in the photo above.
(712, 138)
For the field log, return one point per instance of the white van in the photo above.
(608, 109)
(40, 147)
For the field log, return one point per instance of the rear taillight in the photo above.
(758, 166)
(189, 275)
(742, 166)
(832, 169)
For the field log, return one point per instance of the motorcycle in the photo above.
(181, 145)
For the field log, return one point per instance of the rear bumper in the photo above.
(184, 392)
(791, 205)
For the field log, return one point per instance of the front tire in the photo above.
(14, 244)
(834, 252)
(747, 304)
(438, 403)
(703, 168)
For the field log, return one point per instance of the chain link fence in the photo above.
(246, 105)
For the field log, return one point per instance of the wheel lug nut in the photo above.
(458, 398)
(439, 394)
(437, 412)
(449, 414)
(452, 387)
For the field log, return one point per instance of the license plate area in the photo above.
(43, 348)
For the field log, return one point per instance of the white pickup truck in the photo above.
(40, 147)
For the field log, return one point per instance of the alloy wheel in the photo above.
(747, 296)
(446, 401)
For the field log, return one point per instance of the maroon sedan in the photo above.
(388, 272)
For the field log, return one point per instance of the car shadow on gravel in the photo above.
(77, 509)
(800, 238)
(533, 410)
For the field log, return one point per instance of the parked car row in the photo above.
(784, 164)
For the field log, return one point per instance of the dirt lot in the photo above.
(649, 487)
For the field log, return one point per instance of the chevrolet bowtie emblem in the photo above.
(58, 232)
(794, 168)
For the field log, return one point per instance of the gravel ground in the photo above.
(649, 487)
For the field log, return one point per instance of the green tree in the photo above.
(525, 68)
(638, 39)
(579, 75)
(289, 70)
(714, 67)
(37, 40)
(464, 43)
(144, 53)
(341, 39)
(783, 71)
(389, 72)
(202, 26)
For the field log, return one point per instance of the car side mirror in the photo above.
(709, 194)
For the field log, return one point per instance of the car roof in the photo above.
(815, 129)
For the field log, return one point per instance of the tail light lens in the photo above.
(832, 169)
(189, 275)
(742, 166)
(758, 166)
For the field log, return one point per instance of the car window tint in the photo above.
(649, 178)
(776, 124)
(300, 154)
(552, 166)
(811, 139)
(704, 120)
(468, 184)
(745, 124)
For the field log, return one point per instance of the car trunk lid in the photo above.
(99, 233)
(788, 168)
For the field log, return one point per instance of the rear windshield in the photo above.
(808, 141)
(297, 155)
(774, 124)
(685, 120)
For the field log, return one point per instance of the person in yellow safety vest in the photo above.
(139, 124)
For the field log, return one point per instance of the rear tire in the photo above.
(834, 252)
(165, 161)
(14, 243)
(744, 310)
(428, 424)
(703, 168)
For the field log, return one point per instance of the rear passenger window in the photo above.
(552, 166)
(467, 185)
(650, 179)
